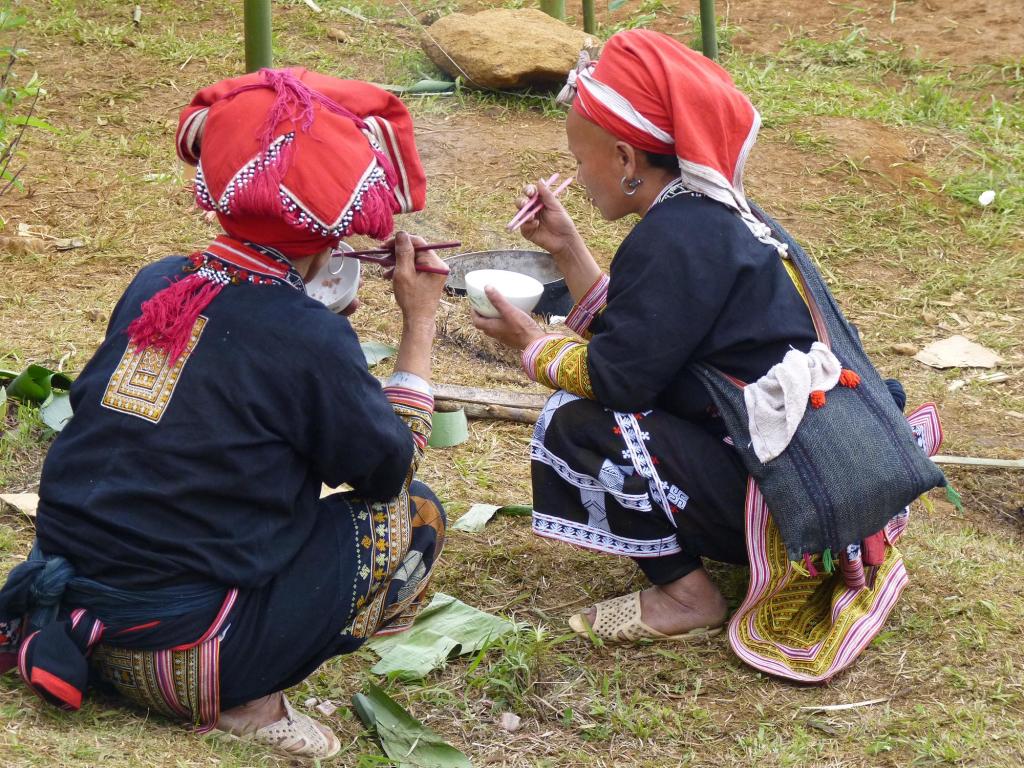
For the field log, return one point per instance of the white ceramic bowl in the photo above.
(521, 290)
(337, 282)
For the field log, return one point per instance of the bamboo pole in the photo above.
(708, 32)
(555, 8)
(589, 20)
(259, 50)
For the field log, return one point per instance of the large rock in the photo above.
(504, 47)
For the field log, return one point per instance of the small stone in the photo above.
(311, 702)
(327, 707)
(337, 34)
(987, 197)
(509, 721)
(909, 350)
(505, 47)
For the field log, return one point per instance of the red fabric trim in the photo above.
(242, 256)
(55, 686)
(138, 628)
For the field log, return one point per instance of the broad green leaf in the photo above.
(477, 517)
(56, 411)
(34, 384)
(423, 87)
(614, 5)
(404, 738)
(480, 514)
(375, 352)
(33, 122)
(516, 510)
(445, 627)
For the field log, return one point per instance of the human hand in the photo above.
(551, 227)
(513, 328)
(418, 293)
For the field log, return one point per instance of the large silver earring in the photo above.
(628, 186)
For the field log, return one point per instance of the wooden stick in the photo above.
(504, 397)
(479, 403)
(972, 461)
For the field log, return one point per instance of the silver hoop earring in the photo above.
(628, 186)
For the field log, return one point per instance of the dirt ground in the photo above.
(962, 32)
(871, 194)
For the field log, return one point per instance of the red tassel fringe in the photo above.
(849, 378)
(817, 399)
(375, 217)
(262, 195)
(168, 317)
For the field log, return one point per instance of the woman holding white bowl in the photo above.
(631, 456)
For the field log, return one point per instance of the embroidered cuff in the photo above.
(413, 401)
(528, 357)
(589, 306)
(559, 362)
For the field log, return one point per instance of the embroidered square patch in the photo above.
(142, 384)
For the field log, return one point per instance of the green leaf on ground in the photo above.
(404, 738)
(477, 517)
(56, 411)
(445, 627)
(423, 87)
(480, 514)
(35, 383)
(375, 352)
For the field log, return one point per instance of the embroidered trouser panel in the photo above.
(648, 485)
(364, 570)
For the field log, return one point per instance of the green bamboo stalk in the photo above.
(708, 32)
(259, 50)
(555, 8)
(589, 22)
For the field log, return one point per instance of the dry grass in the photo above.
(868, 159)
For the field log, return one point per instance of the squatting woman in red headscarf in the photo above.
(183, 554)
(631, 455)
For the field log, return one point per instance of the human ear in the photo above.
(626, 156)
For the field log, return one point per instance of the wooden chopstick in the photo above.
(521, 213)
(391, 251)
(385, 256)
(530, 210)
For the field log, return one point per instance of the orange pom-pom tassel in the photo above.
(849, 378)
(817, 398)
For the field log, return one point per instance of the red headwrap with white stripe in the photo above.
(659, 96)
(295, 160)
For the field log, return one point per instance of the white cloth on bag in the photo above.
(776, 402)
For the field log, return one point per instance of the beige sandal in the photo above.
(618, 621)
(296, 735)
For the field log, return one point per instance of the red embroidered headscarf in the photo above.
(290, 160)
(295, 161)
(659, 96)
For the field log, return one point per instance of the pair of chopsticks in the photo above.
(385, 257)
(534, 205)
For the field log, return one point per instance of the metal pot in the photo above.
(537, 264)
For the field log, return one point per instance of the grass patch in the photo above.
(912, 257)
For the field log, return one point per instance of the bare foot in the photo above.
(250, 717)
(679, 606)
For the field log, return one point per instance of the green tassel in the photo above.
(954, 497)
(826, 560)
